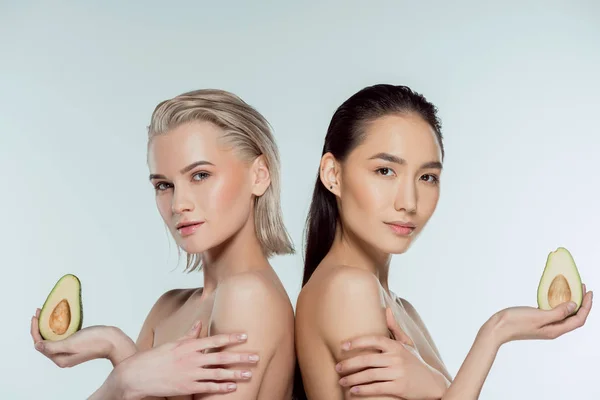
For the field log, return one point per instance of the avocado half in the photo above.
(560, 281)
(62, 312)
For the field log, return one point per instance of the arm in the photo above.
(249, 303)
(117, 384)
(514, 323)
(352, 306)
(476, 367)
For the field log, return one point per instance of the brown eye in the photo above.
(384, 171)
(431, 179)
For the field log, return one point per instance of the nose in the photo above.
(181, 201)
(406, 197)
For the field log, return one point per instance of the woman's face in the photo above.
(388, 187)
(204, 191)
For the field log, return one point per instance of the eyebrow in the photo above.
(397, 160)
(183, 170)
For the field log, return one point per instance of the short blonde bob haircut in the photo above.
(249, 133)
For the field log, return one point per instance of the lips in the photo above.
(186, 224)
(186, 228)
(402, 228)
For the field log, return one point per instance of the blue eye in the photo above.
(200, 176)
(161, 186)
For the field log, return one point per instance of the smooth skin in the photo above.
(198, 178)
(355, 337)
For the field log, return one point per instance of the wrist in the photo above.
(121, 346)
(492, 333)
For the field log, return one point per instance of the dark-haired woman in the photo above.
(377, 187)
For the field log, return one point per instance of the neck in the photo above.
(348, 249)
(241, 252)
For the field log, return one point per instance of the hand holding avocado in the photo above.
(57, 331)
(86, 344)
(563, 304)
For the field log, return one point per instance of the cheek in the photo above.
(367, 194)
(428, 199)
(225, 196)
(163, 203)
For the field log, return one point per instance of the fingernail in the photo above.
(343, 381)
(571, 306)
(196, 325)
(39, 346)
(354, 390)
(338, 367)
(231, 386)
(246, 374)
(346, 346)
(242, 336)
(253, 357)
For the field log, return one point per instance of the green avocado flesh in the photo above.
(560, 281)
(62, 312)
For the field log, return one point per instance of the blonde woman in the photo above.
(214, 166)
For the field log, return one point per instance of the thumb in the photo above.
(193, 332)
(49, 347)
(398, 333)
(561, 311)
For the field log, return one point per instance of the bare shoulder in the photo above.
(247, 299)
(338, 289)
(343, 303)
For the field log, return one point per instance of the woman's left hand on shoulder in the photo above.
(397, 370)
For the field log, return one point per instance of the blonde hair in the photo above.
(249, 133)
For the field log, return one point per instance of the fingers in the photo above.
(217, 341)
(376, 342)
(373, 389)
(559, 313)
(213, 387)
(221, 374)
(35, 330)
(226, 358)
(557, 329)
(361, 362)
(395, 328)
(368, 376)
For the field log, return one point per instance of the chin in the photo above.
(396, 245)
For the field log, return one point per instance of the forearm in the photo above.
(122, 348)
(472, 374)
(115, 388)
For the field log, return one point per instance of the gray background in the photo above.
(518, 91)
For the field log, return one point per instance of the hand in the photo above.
(525, 323)
(398, 370)
(87, 344)
(184, 367)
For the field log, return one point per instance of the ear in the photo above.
(330, 173)
(261, 176)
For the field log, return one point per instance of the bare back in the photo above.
(341, 303)
(253, 302)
